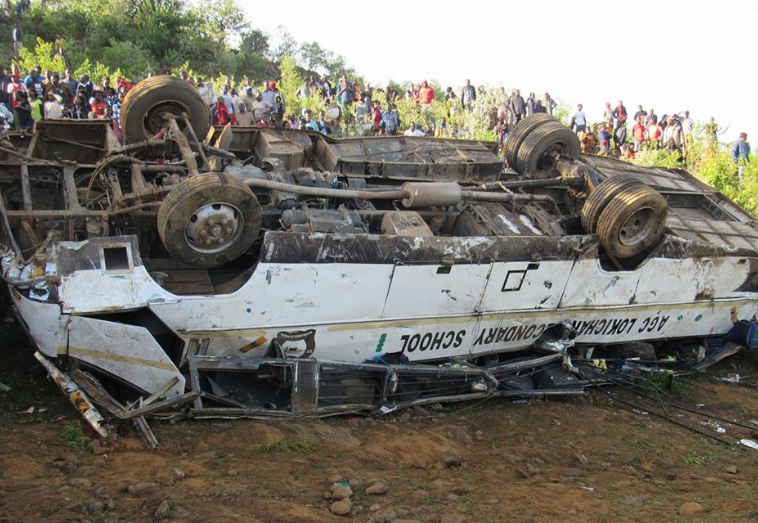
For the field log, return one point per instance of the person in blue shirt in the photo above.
(309, 123)
(741, 154)
(390, 121)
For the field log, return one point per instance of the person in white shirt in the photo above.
(53, 106)
(414, 131)
(206, 92)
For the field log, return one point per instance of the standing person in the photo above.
(53, 106)
(640, 113)
(687, 127)
(548, 103)
(654, 133)
(579, 120)
(36, 105)
(5, 80)
(620, 136)
(85, 87)
(712, 131)
(220, 114)
(23, 111)
(98, 106)
(468, 95)
(517, 106)
(638, 133)
(620, 114)
(390, 120)
(206, 92)
(279, 103)
(18, 40)
(80, 109)
(652, 117)
(61, 89)
(345, 92)
(539, 108)
(376, 113)
(36, 81)
(260, 108)
(392, 95)
(14, 86)
(741, 154)
(244, 117)
(608, 113)
(531, 103)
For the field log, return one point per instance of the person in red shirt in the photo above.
(377, 110)
(638, 134)
(14, 86)
(425, 94)
(220, 113)
(654, 133)
(99, 106)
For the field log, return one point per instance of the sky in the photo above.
(671, 55)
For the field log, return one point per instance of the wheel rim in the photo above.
(638, 227)
(154, 119)
(546, 159)
(214, 228)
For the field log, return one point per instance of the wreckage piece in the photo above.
(76, 396)
(358, 249)
(296, 387)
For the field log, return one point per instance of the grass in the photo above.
(287, 445)
(74, 440)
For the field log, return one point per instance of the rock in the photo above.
(339, 492)
(402, 513)
(405, 417)
(335, 478)
(731, 469)
(341, 507)
(581, 458)
(450, 460)
(419, 496)
(231, 472)
(377, 489)
(207, 456)
(177, 474)
(572, 473)
(139, 489)
(690, 508)
(70, 467)
(385, 516)
(110, 505)
(101, 493)
(521, 473)
(420, 464)
(374, 507)
(98, 449)
(531, 469)
(451, 519)
(163, 509)
(453, 497)
(80, 483)
(572, 512)
(357, 484)
(95, 507)
(671, 476)
(633, 501)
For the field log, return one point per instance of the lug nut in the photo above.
(224, 221)
(220, 241)
(228, 230)
(203, 232)
(208, 241)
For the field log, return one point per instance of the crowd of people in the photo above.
(25, 99)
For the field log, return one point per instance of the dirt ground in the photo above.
(573, 460)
